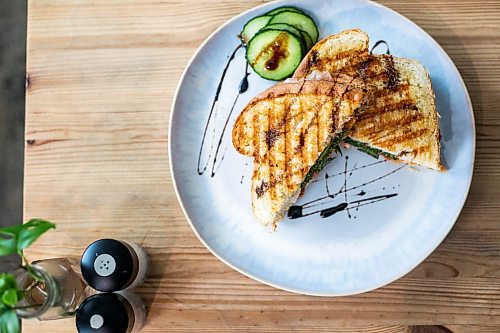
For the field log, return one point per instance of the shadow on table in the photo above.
(12, 75)
(155, 288)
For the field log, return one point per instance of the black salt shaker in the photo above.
(121, 312)
(111, 265)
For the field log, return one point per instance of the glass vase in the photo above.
(53, 289)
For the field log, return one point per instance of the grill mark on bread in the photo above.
(335, 109)
(400, 138)
(300, 148)
(261, 189)
(367, 64)
(300, 120)
(375, 69)
(316, 62)
(392, 73)
(345, 55)
(301, 143)
(404, 105)
(421, 150)
(371, 130)
(374, 78)
(359, 63)
(271, 136)
(272, 158)
(362, 67)
(314, 58)
(303, 155)
(403, 88)
(410, 107)
(301, 87)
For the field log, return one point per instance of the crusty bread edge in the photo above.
(303, 68)
(432, 110)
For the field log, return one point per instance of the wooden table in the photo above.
(100, 79)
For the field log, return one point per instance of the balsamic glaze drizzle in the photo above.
(378, 43)
(215, 167)
(212, 116)
(314, 203)
(350, 171)
(244, 83)
(344, 188)
(297, 211)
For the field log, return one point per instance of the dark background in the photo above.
(12, 74)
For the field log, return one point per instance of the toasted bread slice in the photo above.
(402, 119)
(399, 117)
(285, 129)
(335, 54)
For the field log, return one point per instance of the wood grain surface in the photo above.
(100, 80)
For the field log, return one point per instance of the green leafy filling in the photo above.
(374, 152)
(334, 146)
(325, 157)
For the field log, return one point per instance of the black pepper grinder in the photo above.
(111, 265)
(121, 312)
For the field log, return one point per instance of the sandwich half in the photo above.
(292, 130)
(399, 118)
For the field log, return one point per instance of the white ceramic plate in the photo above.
(373, 242)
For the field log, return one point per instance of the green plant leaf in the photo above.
(9, 322)
(8, 242)
(9, 297)
(30, 232)
(7, 281)
(15, 239)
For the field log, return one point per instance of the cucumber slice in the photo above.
(290, 29)
(283, 9)
(252, 27)
(298, 20)
(307, 39)
(274, 54)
